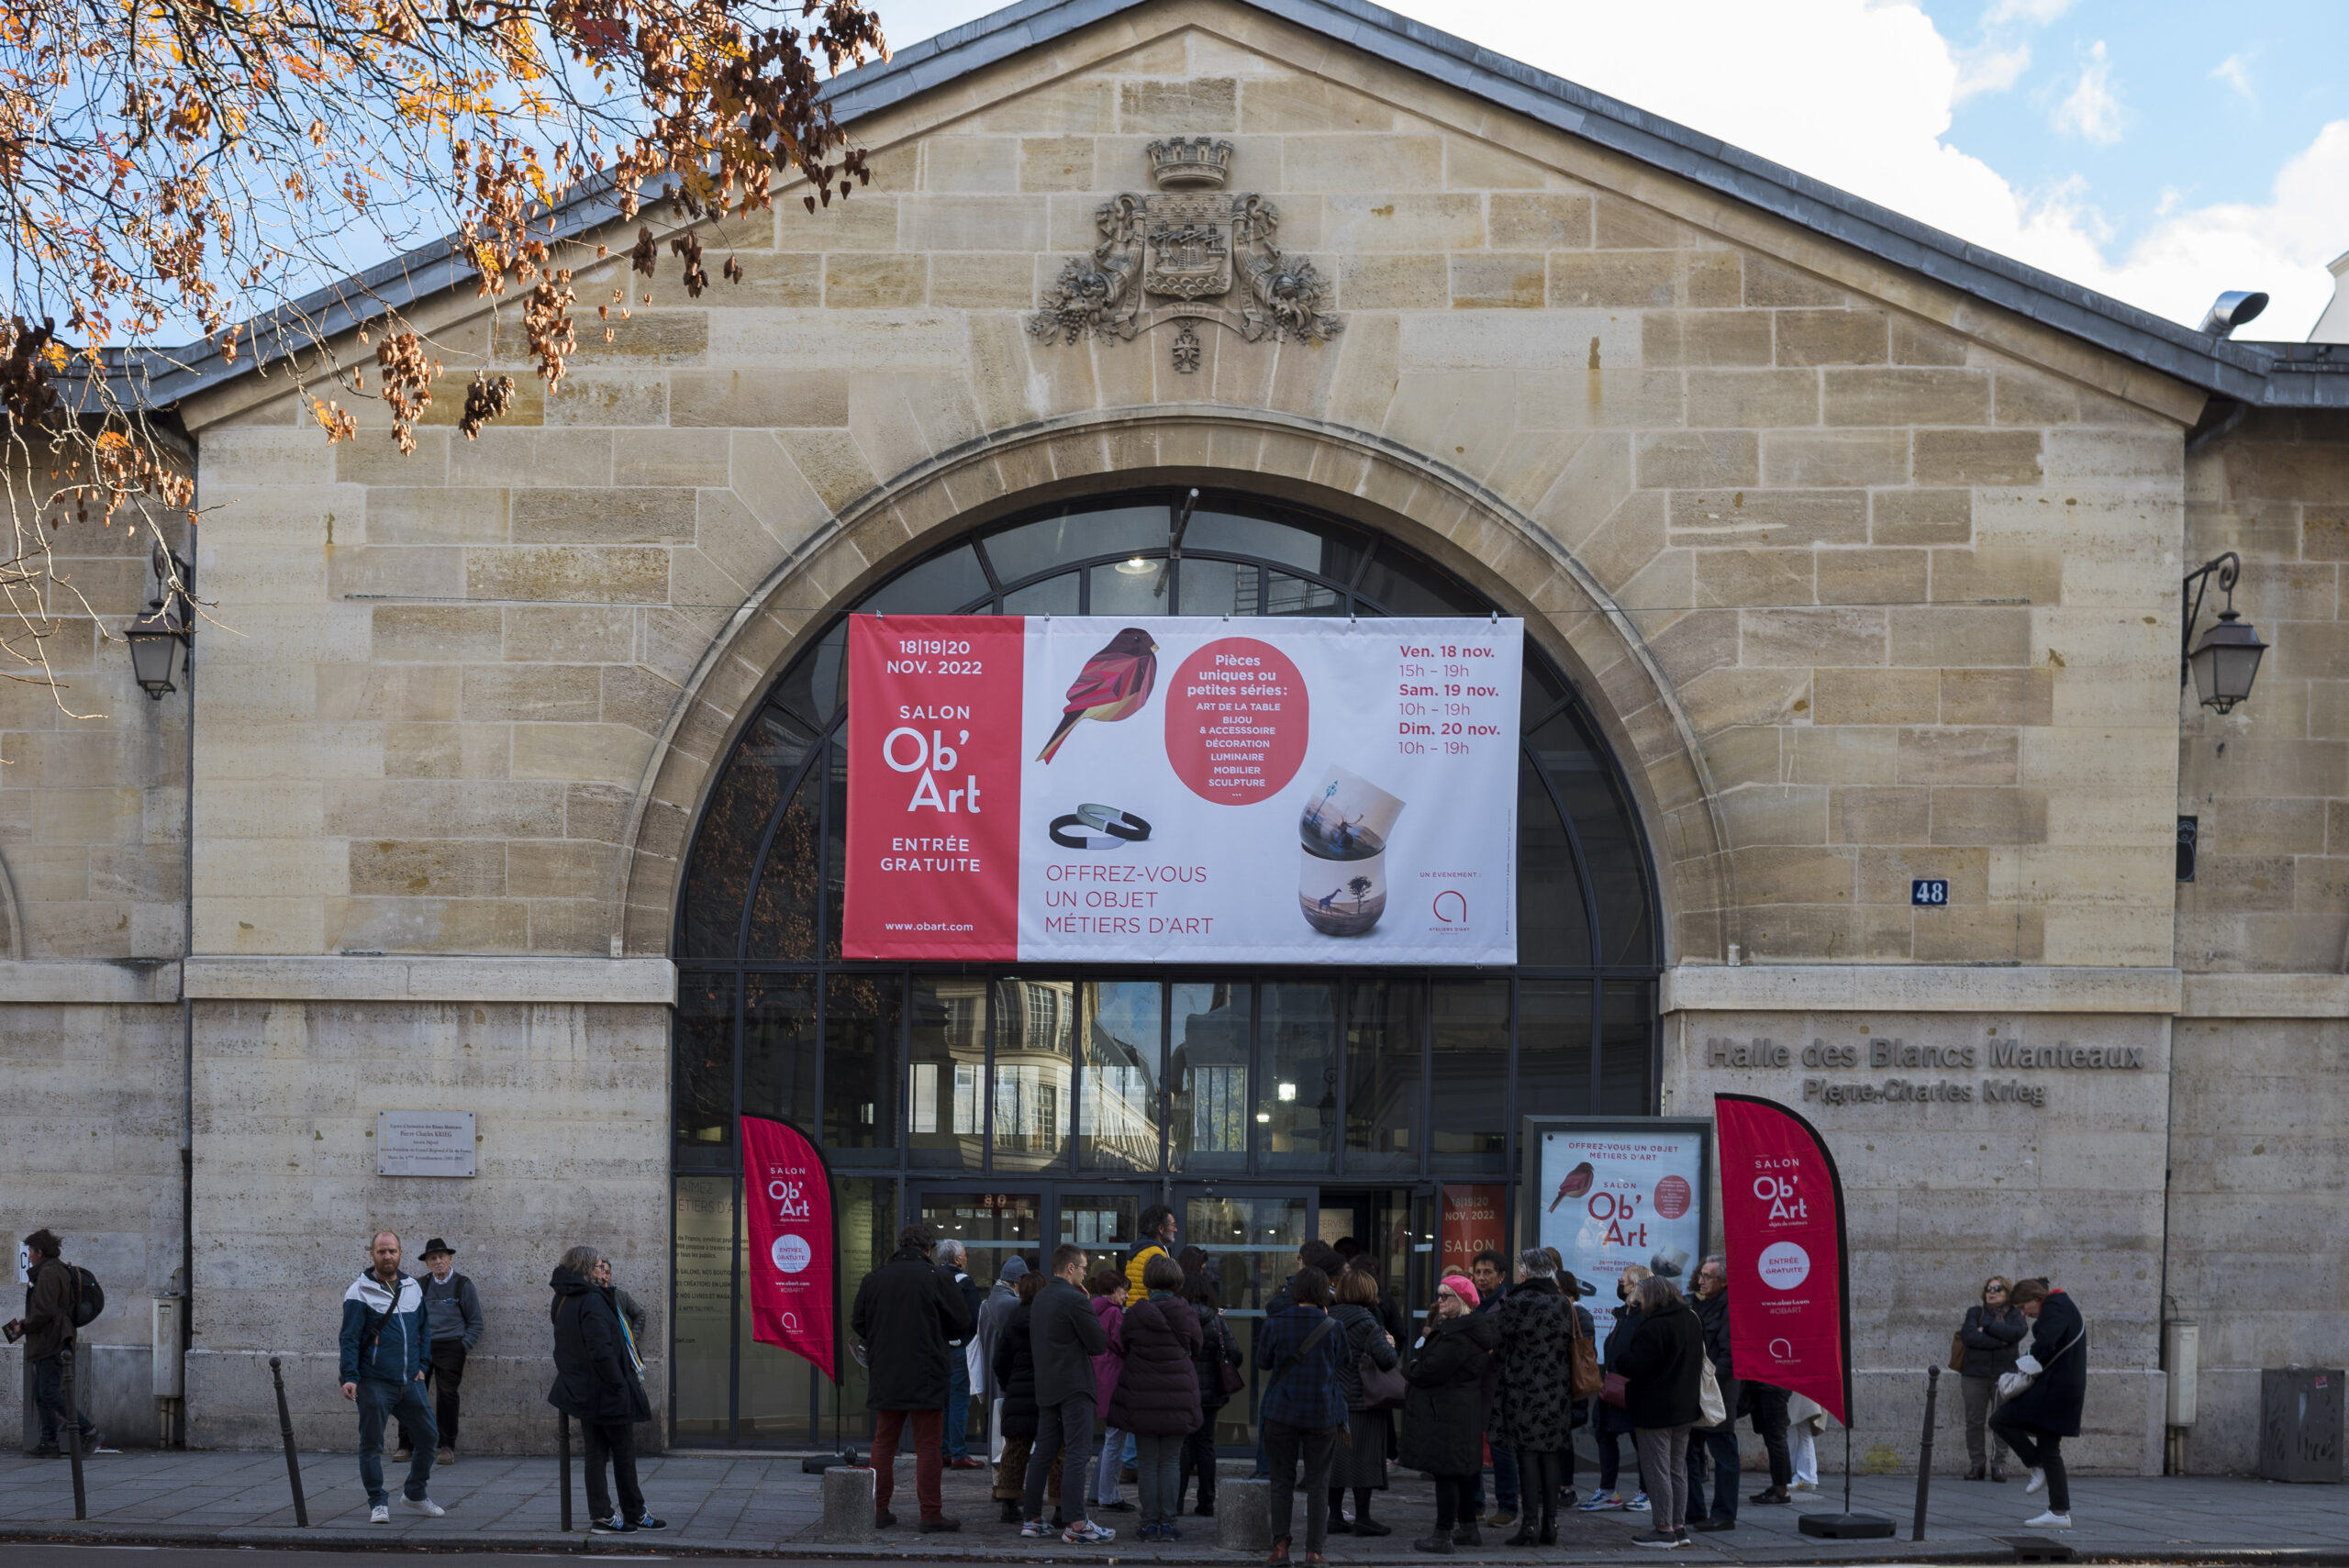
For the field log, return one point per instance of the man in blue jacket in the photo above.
(383, 1356)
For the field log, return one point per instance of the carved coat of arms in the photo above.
(1214, 257)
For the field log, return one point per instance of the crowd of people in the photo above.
(1503, 1364)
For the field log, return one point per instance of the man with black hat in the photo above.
(47, 1328)
(452, 1323)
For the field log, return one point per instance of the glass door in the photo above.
(1250, 1240)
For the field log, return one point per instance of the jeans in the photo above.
(1284, 1445)
(958, 1404)
(1113, 1464)
(1720, 1444)
(1063, 1433)
(1770, 1425)
(2041, 1450)
(888, 1428)
(377, 1400)
(1199, 1459)
(1980, 1394)
(442, 1374)
(49, 1395)
(1158, 1472)
(616, 1440)
(1665, 1464)
(1505, 1487)
(1455, 1502)
(1802, 1453)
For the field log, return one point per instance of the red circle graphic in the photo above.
(1236, 720)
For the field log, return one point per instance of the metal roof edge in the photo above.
(2248, 373)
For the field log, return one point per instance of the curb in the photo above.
(1977, 1549)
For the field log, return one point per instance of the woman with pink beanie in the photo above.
(1443, 1418)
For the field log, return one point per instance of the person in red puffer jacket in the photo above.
(1108, 1289)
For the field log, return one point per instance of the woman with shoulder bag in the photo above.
(1662, 1369)
(599, 1381)
(1361, 1460)
(2036, 1418)
(1613, 1422)
(1986, 1347)
(1158, 1393)
(1220, 1378)
(1443, 1413)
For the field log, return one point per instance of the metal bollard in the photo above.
(74, 1433)
(1925, 1454)
(285, 1434)
(563, 1448)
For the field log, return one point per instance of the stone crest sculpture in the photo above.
(1213, 257)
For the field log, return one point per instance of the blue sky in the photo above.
(2161, 152)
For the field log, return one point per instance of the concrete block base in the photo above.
(847, 1505)
(1244, 1520)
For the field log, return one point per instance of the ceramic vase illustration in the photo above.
(1342, 872)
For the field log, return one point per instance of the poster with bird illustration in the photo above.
(1183, 789)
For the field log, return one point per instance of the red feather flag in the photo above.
(1789, 1263)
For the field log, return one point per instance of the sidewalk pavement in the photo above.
(762, 1503)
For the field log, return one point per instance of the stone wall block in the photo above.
(1804, 637)
(870, 281)
(1760, 398)
(1403, 221)
(1876, 697)
(1834, 458)
(1500, 282)
(1200, 103)
(1970, 815)
(1878, 816)
(1696, 460)
(1542, 220)
(447, 750)
(1823, 754)
(397, 515)
(1977, 457)
(1961, 636)
(1643, 279)
(1920, 517)
(1830, 337)
(1770, 874)
(1746, 578)
(669, 457)
(1904, 396)
(1871, 576)
(602, 574)
(1773, 518)
(1769, 281)
(1706, 337)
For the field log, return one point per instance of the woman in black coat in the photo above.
(1361, 1460)
(1015, 1373)
(1218, 1350)
(1992, 1335)
(1444, 1426)
(2035, 1421)
(1534, 1412)
(1662, 1368)
(1612, 1422)
(599, 1382)
(1157, 1397)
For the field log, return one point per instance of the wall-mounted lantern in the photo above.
(2224, 667)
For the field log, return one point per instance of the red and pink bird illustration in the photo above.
(1114, 684)
(1578, 1183)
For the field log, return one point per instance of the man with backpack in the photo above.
(61, 1299)
(385, 1352)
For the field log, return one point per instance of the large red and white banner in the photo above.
(1183, 789)
(1782, 1221)
(788, 1203)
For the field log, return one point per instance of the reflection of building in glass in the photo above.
(1034, 1066)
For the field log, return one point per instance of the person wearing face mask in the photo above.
(1613, 1420)
(1992, 1337)
(1489, 1270)
(1443, 1412)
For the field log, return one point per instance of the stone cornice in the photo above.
(68, 981)
(342, 978)
(1917, 989)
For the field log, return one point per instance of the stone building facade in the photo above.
(1862, 549)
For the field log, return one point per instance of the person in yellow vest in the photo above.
(1155, 1238)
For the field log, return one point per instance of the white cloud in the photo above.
(1988, 68)
(2036, 12)
(2236, 71)
(2091, 111)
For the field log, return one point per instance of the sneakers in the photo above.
(649, 1523)
(2037, 1484)
(1602, 1502)
(381, 1514)
(1770, 1495)
(1638, 1505)
(1440, 1544)
(446, 1456)
(2051, 1520)
(1813, 1485)
(1033, 1530)
(1084, 1533)
(1147, 1532)
(1656, 1538)
(402, 1454)
(1119, 1507)
(1501, 1518)
(1168, 1532)
(613, 1526)
(48, 1450)
(424, 1506)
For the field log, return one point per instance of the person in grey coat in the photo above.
(993, 1313)
(453, 1326)
(1993, 1335)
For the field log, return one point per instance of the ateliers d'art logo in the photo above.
(1192, 244)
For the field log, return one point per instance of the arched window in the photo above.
(914, 1074)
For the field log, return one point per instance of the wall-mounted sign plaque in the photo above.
(424, 1143)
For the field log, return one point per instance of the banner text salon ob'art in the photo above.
(1183, 789)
